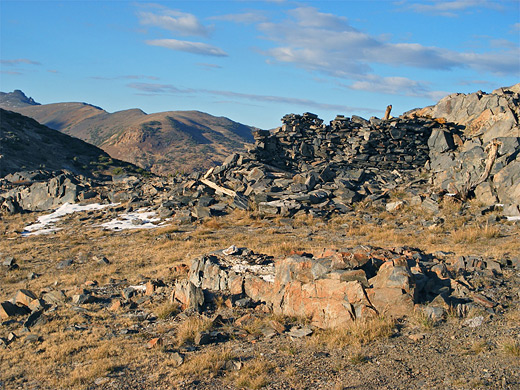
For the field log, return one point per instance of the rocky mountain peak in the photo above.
(16, 99)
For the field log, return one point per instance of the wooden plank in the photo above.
(216, 187)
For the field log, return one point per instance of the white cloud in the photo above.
(452, 8)
(501, 63)
(390, 85)
(208, 66)
(126, 77)
(329, 44)
(475, 82)
(289, 100)
(502, 43)
(11, 72)
(176, 21)
(190, 47)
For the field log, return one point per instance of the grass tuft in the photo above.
(254, 375)
(207, 363)
(167, 310)
(512, 347)
(189, 328)
(357, 333)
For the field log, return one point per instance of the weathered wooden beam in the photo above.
(216, 187)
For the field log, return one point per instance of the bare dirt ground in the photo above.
(145, 342)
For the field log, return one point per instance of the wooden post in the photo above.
(387, 112)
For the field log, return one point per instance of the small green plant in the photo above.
(104, 159)
(424, 321)
(118, 171)
(478, 347)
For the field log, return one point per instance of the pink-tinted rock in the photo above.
(188, 295)
(258, 289)
(391, 301)
(236, 284)
(24, 297)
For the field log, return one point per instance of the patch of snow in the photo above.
(141, 287)
(140, 219)
(45, 224)
(265, 272)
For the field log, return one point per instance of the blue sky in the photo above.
(254, 61)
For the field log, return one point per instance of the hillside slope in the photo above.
(27, 145)
(164, 142)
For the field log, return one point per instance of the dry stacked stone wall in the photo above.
(305, 141)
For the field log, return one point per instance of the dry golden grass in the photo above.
(66, 359)
(511, 347)
(357, 333)
(513, 315)
(167, 310)
(254, 374)
(473, 234)
(135, 256)
(188, 329)
(205, 363)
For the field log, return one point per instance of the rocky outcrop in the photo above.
(334, 287)
(479, 155)
(308, 167)
(304, 141)
(482, 115)
(31, 194)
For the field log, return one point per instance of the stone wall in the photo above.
(304, 141)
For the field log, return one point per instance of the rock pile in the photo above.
(308, 167)
(304, 142)
(334, 287)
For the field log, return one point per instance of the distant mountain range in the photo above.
(26, 145)
(166, 142)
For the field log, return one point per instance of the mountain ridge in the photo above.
(164, 142)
